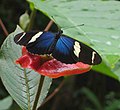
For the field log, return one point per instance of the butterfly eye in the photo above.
(61, 31)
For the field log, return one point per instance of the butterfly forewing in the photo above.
(36, 42)
(43, 44)
(23, 38)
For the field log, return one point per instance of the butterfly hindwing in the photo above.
(68, 50)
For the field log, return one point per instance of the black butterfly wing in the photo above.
(36, 42)
(23, 38)
(70, 51)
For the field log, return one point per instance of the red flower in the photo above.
(49, 66)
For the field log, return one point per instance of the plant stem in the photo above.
(54, 92)
(48, 26)
(27, 89)
(3, 27)
(38, 92)
(32, 17)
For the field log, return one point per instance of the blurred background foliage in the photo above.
(89, 91)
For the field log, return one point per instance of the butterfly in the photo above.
(60, 46)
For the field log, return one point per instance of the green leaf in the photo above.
(101, 28)
(6, 103)
(91, 96)
(24, 20)
(22, 84)
(104, 69)
(113, 105)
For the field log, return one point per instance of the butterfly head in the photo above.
(59, 33)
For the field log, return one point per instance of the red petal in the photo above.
(55, 69)
(24, 50)
(29, 61)
(51, 68)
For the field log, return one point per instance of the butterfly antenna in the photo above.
(59, 28)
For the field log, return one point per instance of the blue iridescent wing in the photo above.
(36, 42)
(63, 50)
(70, 51)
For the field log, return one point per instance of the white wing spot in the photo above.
(93, 56)
(77, 48)
(35, 37)
(21, 37)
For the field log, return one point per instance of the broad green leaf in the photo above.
(101, 28)
(22, 84)
(103, 68)
(6, 103)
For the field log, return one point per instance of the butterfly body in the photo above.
(62, 47)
